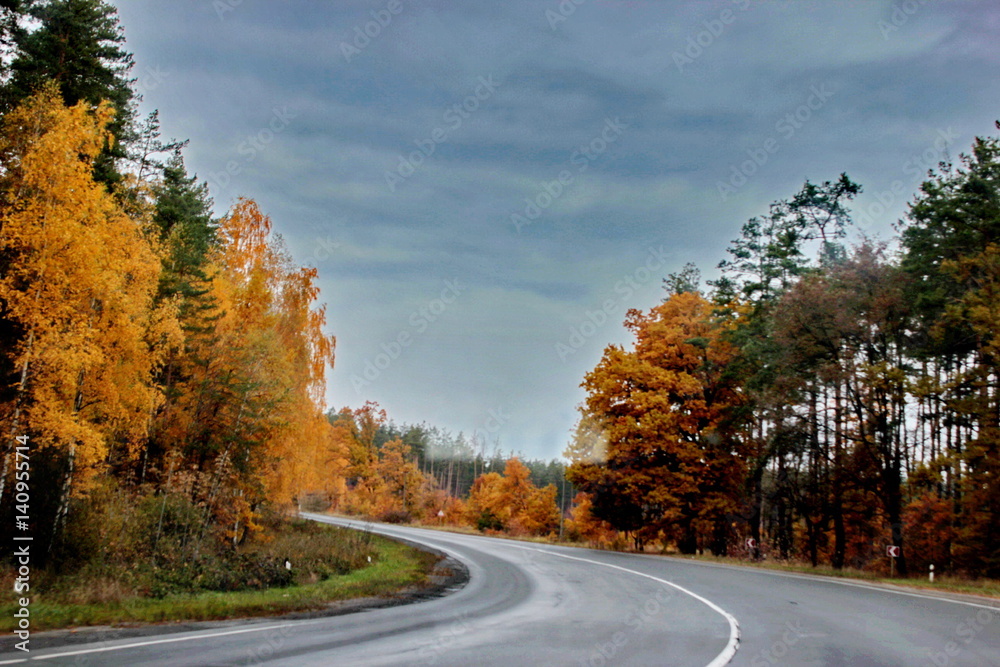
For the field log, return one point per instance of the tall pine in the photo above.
(78, 45)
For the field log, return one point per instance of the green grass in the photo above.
(395, 566)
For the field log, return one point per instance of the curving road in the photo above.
(534, 604)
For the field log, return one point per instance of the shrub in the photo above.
(488, 521)
(395, 516)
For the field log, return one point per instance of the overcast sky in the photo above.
(486, 186)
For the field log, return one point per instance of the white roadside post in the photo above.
(932, 573)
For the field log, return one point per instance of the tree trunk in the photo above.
(720, 535)
(893, 511)
(688, 544)
(837, 504)
(63, 510)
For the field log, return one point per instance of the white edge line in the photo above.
(727, 653)
(792, 575)
(153, 642)
(840, 582)
(722, 659)
(805, 577)
(370, 527)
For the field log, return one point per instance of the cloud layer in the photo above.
(450, 170)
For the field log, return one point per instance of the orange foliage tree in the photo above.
(583, 525)
(78, 283)
(512, 502)
(666, 413)
(248, 412)
(383, 480)
(404, 487)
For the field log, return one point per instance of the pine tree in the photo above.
(183, 218)
(11, 14)
(950, 240)
(78, 45)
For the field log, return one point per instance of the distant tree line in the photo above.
(419, 473)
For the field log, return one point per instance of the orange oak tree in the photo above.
(664, 410)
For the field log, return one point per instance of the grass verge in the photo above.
(394, 566)
(942, 583)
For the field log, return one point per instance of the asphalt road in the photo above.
(533, 604)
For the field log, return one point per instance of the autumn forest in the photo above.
(826, 395)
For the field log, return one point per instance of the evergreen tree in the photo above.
(11, 11)
(950, 251)
(186, 234)
(766, 261)
(183, 217)
(956, 215)
(79, 45)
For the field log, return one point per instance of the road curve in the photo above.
(535, 604)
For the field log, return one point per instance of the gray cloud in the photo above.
(385, 253)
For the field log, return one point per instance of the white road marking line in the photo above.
(154, 642)
(722, 659)
(805, 577)
(832, 580)
(734, 627)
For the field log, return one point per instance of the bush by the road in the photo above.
(155, 559)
